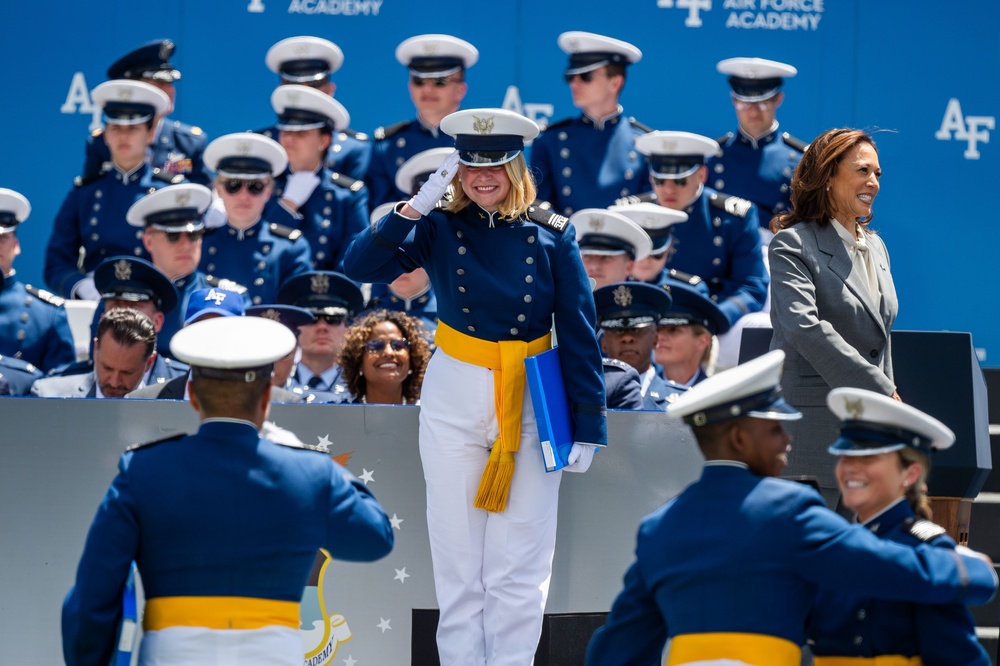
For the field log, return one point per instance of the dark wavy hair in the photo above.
(353, 352)
(810, 195)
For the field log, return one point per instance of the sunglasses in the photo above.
(254, 187)
(332, 320)
(378, 346)
(586, 77)
(440, 81)
(679, 182)
(193, 236)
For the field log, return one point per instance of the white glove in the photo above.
(580, 457)
(425, 200)
(299, 186)
(215, 216)
(85, 290)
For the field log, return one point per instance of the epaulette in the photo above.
(724, 139)
(559, 123)
(81, 181)
(615, 363)
(686, 278)
(353, 184)
(547, 218)
(223, 283)
(792, 142)
(641, 126)
(636, 198)
(924, 530)
(46, 296)
(360, 136)
(97, 132)
(731, 204)
(281, 231)
(197, 131)
(386, 132)
(167, 177)
(136, 447)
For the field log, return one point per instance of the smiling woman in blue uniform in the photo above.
(249, 249)
(730, 568)
(223, 524)
(883, 463)
(501, 270)
(33, 323)
(590, 160)
(91, 220)
(328, 208)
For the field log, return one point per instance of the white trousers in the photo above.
(491, 570)
(197, 646)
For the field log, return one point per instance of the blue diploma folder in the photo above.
(552, 412)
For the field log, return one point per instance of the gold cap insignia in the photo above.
(623, 296)
(431, 48)
(242, 148)
(124, 94)
(320, 284)
(482, 125)
(668, 146)
(182, 198)
(166, 49)
(301, 50)
(855, 408)
(271, 314)
(123, 270)
(597, 223)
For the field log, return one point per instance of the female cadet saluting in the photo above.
(882, 470)
(501, 269)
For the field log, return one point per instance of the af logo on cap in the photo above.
(123, 270)
(482, 125)
(623, 296)
(320, 284)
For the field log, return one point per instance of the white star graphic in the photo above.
(395, 522)
(384, 624)
(367, 477)
(324, 442)
(350, 661)
(401, 575)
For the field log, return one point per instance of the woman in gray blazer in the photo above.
(833, 302)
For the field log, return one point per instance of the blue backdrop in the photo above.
(927, 72)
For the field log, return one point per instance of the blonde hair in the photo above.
(916, 494)
(522, 190)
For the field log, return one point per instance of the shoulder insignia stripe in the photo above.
(143, 445)
(282, 231)
(642, 126)
(386, 132)
(732, 205)
(548, 219)
(353, 184)
(223, 283)
(560, 123)
(46, 296)
(925, 530)
(636, 198)
(792, 142)
(724, 139)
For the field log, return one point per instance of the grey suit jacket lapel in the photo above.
(829, 242)
(92, 391)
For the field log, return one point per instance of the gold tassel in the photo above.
(494, 487)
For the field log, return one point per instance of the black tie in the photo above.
(315, 381)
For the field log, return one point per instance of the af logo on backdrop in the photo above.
(971, 129)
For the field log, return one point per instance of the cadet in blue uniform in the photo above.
(884, 460)
(610, 244)
(685, 335)
(223, 524)
(757, 160)
(719, 242)
(309, 61)
(657, 221)
(729, 569)
(590, 161)
(249, 249)
(91, 219)
(437, 66)
(177, 147)
(17, 375)
(501, 270)
(333, 300)
(291, 317)
(172, 225)
(328, 208)
(33, 323)
(627, 313)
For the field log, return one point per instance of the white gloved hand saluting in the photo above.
(299, 186)
(579, 458)
(425, 200)
(85, 290)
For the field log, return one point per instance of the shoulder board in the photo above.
(81, 181)
(386, 132)
(731, 204)
(97, 132)
(547, 218)
(636, 198)
(924, 530)
(360, 136)
(353, 184)
(46, 296)
(559, 123)
(641, 126)
(724, 139)
(223, 283)
(167, 177)
(281, 231)
(136, 447)
(688, 278)
(792, 142)
(615, 363)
